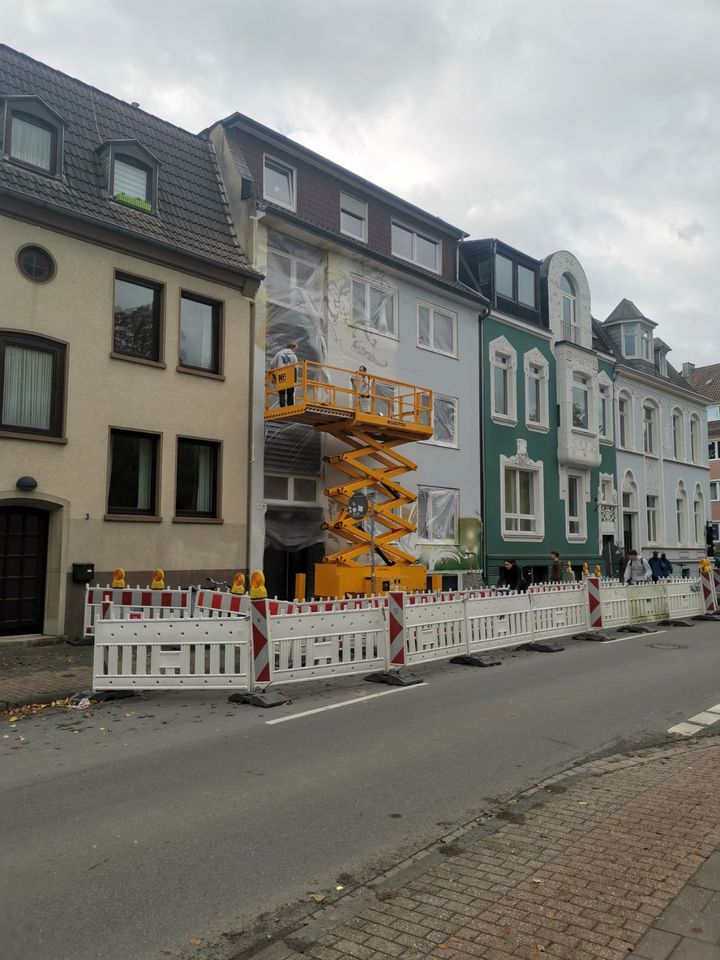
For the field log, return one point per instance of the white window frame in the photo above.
(355, 208)
(456, 499)
(698, 515)
(713, 412)
(651, 449)
(631, 329)
(581, 381)
(433, 309)
(695, 438)
(715, 486)
(678, 437)
(291, 478)
(501, 347)
(578, 535)
(533, 361)
(652, 534)
(268, 157)
(681, 514)
(716, 450)
(383, 288)
(521, 461)
(624, 396)
(605, 395)
(415, 234)
(455, 443)
(570, 330)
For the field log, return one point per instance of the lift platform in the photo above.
(372, 416)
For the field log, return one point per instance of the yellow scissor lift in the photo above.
(372, 416)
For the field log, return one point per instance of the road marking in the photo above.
(685, 729)
(345, 703)
(633, 636)
(715, 709)
(705, 718)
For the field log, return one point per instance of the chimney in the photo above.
(687, 369)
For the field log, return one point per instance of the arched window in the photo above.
(681, 513)
(695, 438)
(650, 428)
(699, 515)
(678, 423)
(630, 521)
(625, 420)
(568, 297)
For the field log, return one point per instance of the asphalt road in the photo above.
(133, 828)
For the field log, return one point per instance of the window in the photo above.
(650, 428)
(36, 264)
(33, 135)
(580, 402)
(714, 450)
(678, 435)
(32, 385)
(713, 412)
(503, 364)
(604, 412)
(519, 513)
(279, 183)
(536, 390)
(630, 340)
(514, 282)
(699, 517)
(533, 394)
(437, 515)
(353, 217)
(716, 532)
(645, 343)
(715, 489)
(568, 306)
(196, 490)
(681, 514)
(199, 333)
(695, 438)
(373, 307)
(136, 331)
(526, 286)
(132, 183)
(284, 488)
(437, 329)
(132, 490)
(625, 421)
(445, 421)
(575, 511)
(652, 524)
(420, 249)
(504, 277)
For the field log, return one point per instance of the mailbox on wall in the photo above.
(83, 572)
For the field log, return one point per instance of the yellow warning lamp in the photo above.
(118, 579)
(597, 571)
(257, 585)
(586, 570)
(238, 583)
(158, 579)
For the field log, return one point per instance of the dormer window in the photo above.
(568, 298)
(645, 343)
(637, 341)
(33, 135)
(132, 173)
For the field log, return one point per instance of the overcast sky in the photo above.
(587, 126)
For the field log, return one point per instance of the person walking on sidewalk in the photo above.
(556, 571)
(638, 569)
(286, 357)
(511, 577)
(666, 567)
(655, 566)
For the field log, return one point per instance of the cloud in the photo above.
(594, 128)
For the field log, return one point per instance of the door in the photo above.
(23, 562)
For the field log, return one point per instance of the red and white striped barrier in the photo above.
(259, 616)
(214, 603)
(708, 592)
(133, 604)
(396, 624)
(594, 603)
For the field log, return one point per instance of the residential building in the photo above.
(706, 381)
(125, 349)
(356, 276)
(547, 428)
(661, 430)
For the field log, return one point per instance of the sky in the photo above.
(587, 126)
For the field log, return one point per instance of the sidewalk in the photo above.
(619, 857)
(42, 673)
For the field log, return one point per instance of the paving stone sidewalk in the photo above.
(616, 859)
(41, 674)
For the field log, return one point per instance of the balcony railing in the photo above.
(571, 332)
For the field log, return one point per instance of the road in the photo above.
(138, 826)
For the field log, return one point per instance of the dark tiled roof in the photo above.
(706, 380)
(646, 367)
(626, 310)
(601, 341)
(193, 216)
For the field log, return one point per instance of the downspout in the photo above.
(481, 473)
(251, 439)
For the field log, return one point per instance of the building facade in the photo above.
(124, 352)
(356, 276)
(661, 431)
(706, 381)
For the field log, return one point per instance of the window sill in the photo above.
(196, 372)
(522, 535)
(439, 443)
(377, 333)
(503, 421)
(537, 427)
(584, 432)
(437, 543)
(415, 263)
(576, 537)
(131, 518)
(607, 441)
(160, 364)
(198, 520)
(440, 353)
(13, 435)
(653, 456)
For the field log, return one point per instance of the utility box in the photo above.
(83, 572)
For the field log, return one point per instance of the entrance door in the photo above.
(23, 561)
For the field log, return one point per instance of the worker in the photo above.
(361, 382)
(286, 357)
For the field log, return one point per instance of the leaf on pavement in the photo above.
(317, 897)
(195, 942)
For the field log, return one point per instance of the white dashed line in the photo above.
(697, 723)
(705, 718)
(685, 729)
(346, 703)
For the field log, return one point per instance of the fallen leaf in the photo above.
(317, 897)
(535, 880)
(307, 920)
(339, 886)
(582, 803)
(195, 942)
(698, 929)
(13, 719)
(540, 948)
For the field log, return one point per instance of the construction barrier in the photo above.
(290, 642)
(138, 604)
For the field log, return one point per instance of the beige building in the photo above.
(125, 352)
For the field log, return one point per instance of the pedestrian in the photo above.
(286, 357)
(666, 567)
(638, 569)
(556, 571)
(655, 566)
(511, 577)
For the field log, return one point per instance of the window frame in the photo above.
(383, 288)
(713, 450)
(456, 500)
(581, 382)
(698, 516)
(288, 168)
(652, 511)
(346, 207)
(291, 479)
(218, 307)
(626, 424)
(579, 534)
(678, 435)
(455, 443)
(432, 310)
(570, 329)
(134, 514)
(501, 347)
(198, 516)
(695, 438)
(522, 462)
(716, 485)
(515, 268)
(534, 360)
(651, 437)
(415, 233)
(59, 349)
(35, 111)
(35, 246)
(681, 515)
(138, 203)
(160, 290)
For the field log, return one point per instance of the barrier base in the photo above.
(546, 646)
(675, 623)
(260, 698)
(714, 617)
(629, 628)
(592, 635)
(476, 660)
(394, 678)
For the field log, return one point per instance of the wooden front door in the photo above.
(23, 562)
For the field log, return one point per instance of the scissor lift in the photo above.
(372, 416)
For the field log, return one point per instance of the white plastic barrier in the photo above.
(559, 611)
(192, 654)
(502, 620)
(215, 603)
(614, 603)
(433, 628)
(647, 602)
(133, 604)
(684, 598)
